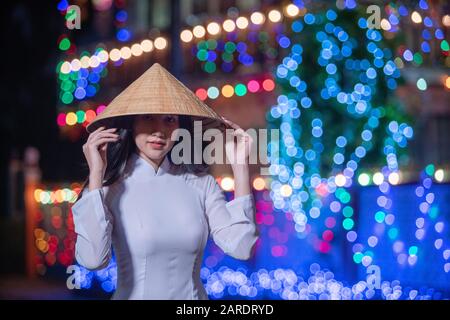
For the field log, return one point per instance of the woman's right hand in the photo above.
(95, 153)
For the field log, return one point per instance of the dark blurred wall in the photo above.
(28, 85)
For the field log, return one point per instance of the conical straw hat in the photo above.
(157, 92)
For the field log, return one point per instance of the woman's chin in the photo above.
(155, 154)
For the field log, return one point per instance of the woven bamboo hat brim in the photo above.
(157, 92)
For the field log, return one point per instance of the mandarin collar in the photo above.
(142, 168)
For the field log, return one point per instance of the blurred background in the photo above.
(357, 203)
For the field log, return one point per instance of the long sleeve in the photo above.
(232, 224)
(93, 226)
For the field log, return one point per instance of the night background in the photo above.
(361, 99)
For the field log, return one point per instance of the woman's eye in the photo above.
(171, 119)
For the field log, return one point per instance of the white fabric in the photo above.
(158, 225)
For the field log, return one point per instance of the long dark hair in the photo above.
(118, 153)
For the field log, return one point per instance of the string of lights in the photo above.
(84, 117)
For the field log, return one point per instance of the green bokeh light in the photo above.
(202, 55)
(240, 90)
(211, 44)
(429, 169)
(230, 47)
(418, 58)
(202, 45)
(74, 75)
(348, 223)
(357, 257)
(64, 44)
(67, 85)
(345, 197)
(347, 211)
(81, 116)
(379, 216)
(67, 97)
(227, 57)
(434, 212)
(422, 84)
(393, 233)
(413, 250)
(210, 67)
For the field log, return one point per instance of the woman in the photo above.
(157, 215)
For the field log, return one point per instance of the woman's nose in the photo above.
(160, 128)
(159, 134)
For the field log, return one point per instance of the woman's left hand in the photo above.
(238, 150)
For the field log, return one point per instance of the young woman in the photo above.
(156, 215)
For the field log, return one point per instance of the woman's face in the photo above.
(152, 134)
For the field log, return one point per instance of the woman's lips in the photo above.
(157, 145)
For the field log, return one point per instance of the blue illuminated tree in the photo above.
(336, 113)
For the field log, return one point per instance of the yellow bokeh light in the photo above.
(259, 184)
(103, 56)
(447, 82)
(59, 196)
(94, 62)
(66, 67)
(385, 25)
(416, 17)
(364, 179)
(160, 43)
(199, 31)
(37, 195)
(75, 65)
(39, 234)
(446, 20)
(394, 178)
(42, 245)
(71, 118)
(242, 22)
(85, 61)
(186, 36)
(274, 15)
(125, 52)
(136, 50)
(147, 45)
(257, 18)
(213, 28)
(340, 180)
(286, 190)
(227, 91)
(227, 184)
(378, 178)
(228, 25)
(292, 10)
(114, 55)
(439, 175)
